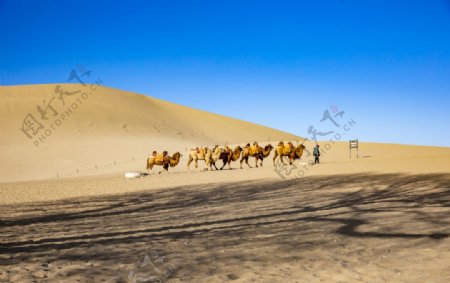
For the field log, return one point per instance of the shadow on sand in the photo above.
(199, 226)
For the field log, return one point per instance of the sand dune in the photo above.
(113, 131)
(382, 217)
(97, 130)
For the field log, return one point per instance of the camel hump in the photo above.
(197, 150)
(281, 143)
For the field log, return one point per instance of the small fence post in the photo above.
(354, 144)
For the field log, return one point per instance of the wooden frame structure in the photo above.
(354, 144)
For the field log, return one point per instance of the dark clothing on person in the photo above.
(316, 153)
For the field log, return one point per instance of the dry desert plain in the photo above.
(68, 215)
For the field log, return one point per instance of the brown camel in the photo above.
(163, 160)
(202, 153)
(296, 154)
(255, 151)
(288, 150)
(217, 153)
(229, 155)
(235, 155)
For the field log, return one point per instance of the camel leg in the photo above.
(282, 159)
(225, 161)
(246, 161)
(275, 157)
(196, 162)
(165, 168)
(256, 161)
(291, 159)
(150, 167)
(189, 162)
(262, 159)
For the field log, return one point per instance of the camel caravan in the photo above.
(210, 156)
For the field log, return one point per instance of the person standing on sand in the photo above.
(316, 153)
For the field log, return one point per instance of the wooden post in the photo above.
(354, 144)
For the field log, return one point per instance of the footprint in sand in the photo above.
(125, 129)
(232, 276)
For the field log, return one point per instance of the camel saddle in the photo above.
(288, 148)
(254, 149)
(159, 158)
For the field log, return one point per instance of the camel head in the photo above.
(266, 150)
(268, 147)
(175, 159)
(300, 147)
(218, 150)
(177, 155)
(299, 150)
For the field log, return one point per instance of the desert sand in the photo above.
(107, 130)
(68, 215)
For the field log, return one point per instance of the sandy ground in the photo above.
(373, 219)
(340, 228)
(68, 215)
(375, 158)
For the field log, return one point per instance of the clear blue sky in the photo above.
(278, 63)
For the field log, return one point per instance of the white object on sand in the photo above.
(133, 175)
